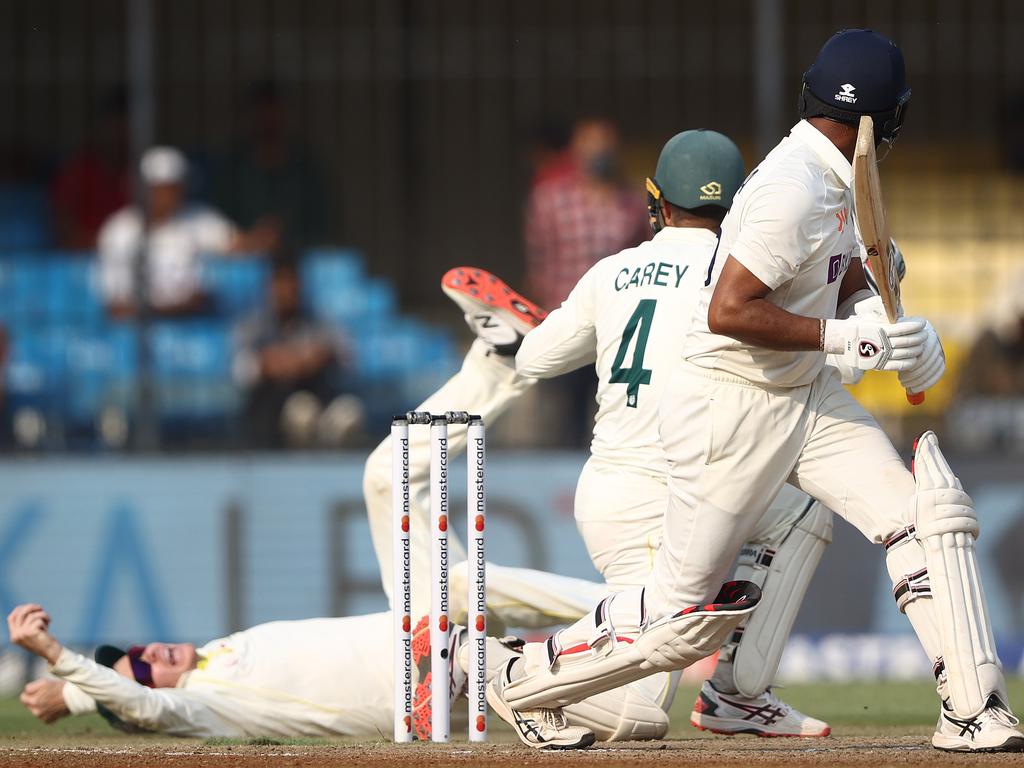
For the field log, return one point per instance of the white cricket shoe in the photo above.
(994, 730)
(494, 312)
(766, 715)
(537, 728)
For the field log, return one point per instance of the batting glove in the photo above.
(871, 344)
(929, 367)
(871, 308)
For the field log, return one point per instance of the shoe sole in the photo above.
(505, 713)
(752, 730)
(422, 709)
(1012, 744)
(481, 289)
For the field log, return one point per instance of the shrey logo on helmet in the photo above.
(711, 191)
(846, 93)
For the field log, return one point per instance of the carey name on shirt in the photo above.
(653, 273)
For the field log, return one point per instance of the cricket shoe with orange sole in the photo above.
(422, 706)
(498, 315)
(765, 715)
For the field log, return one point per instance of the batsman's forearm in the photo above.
(761, 323)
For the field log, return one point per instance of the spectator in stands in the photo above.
(292, 368)
(174, 235)
(574, 218)
(273, 174)
(96, 180)
(550, 157)
(995, 364)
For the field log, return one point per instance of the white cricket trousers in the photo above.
(731, 445)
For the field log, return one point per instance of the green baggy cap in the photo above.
(698, 168)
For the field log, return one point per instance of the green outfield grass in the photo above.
(851, 708)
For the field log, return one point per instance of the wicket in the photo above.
(476, 515)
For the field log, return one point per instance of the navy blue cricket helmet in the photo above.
(858, 72)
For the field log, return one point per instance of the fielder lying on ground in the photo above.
(312, 678)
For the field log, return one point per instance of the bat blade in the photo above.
(867, 194)
(874, 229)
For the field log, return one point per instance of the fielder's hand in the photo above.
(28, 625)
(930, 366)
(45, 699)
(871, 344)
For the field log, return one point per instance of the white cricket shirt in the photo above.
(629, 313)
(791, 225)
(175, 247)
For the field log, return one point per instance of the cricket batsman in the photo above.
(752, 405)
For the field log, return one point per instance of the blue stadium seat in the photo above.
(101, 368)
(29, 290)
(7, 313)
(353, 304)
(333, 284)
(192, 366)
(35, 373)
(401, 348)
(238, 285)
(24, 218)
(72, 295)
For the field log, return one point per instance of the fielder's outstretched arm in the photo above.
(565, 341)
(165, 710)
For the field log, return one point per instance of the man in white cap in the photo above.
(173, 235)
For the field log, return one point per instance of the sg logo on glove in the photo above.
(867, 349)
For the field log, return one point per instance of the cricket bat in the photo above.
(870, 210)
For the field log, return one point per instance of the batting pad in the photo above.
(615, 657)
(947, 527)
(785, 570)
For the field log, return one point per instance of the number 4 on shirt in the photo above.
(636, 375)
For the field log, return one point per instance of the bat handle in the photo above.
(915, 398)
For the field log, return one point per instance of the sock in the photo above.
(722, 679)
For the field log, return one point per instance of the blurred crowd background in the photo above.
(223, 222)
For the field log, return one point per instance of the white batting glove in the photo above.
(870, 309)
(871, 344)
(929, 367)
